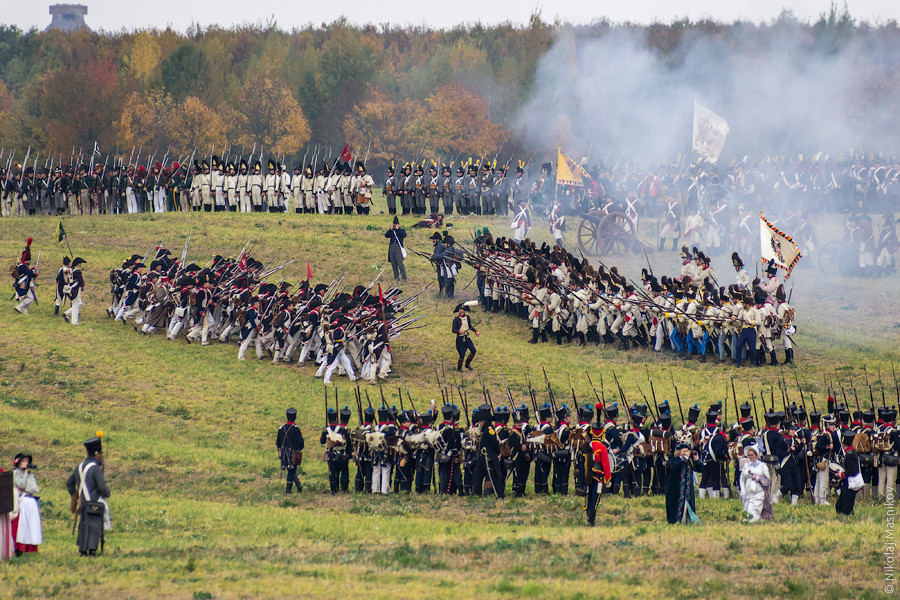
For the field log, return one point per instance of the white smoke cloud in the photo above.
(776, 87)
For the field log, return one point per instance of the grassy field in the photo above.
(198, 506)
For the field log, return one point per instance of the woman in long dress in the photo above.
(680, 504)
(756, 486)
(27, 526)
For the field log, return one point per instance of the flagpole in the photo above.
(66, 236)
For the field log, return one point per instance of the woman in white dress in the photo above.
(755, 486)
(27, 525)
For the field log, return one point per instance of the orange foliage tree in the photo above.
(194, 125)
(456, 123)
(385, 123)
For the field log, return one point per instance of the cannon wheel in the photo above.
(827, 256)
(587, 237)
(616, 234)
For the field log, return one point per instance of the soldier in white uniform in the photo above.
(243, 187)
(256, 187)
(231, 187)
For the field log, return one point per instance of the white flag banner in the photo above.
(777, 246)
(710, 131)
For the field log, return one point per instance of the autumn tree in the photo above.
(192, 125)
(79, 104)
(267, 114)
(385, 124)
(143, 60)
(456, 123)
(140, 122)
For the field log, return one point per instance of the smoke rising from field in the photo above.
(776, 88)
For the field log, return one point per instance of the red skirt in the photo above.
(21, 547)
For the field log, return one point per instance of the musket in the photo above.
(596, 395)
(678, 398)
(883, 400)
(549, 390)
(622, 396)
(574, 399)
(325, 388)
(871, 396)
(896, 385)
(737, 411)
(855, 397)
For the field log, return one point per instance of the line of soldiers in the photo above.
(484, 191)
(208, 185)
(345, 332)
(690, 314)
(405, 450)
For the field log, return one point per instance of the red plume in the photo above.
(28, 241)
(598, 407)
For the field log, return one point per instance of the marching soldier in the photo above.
(580, 441)
(362, 453)
(712, 445)
(289, 443)
(88, 489)
(598, 471)
(434, 190)
(424, 453)
(23, 286)
(886, 442)
(463, 327)
(362, 189)
(488, 461)
(635, 463)
(381, 459)
(821, 451)
(391, 190)
(63, 278)
(562, 456)
(445, 189)
(459, 191)
(335, 438)
(75, 289)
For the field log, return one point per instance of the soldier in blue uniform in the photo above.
(487, 465)
(289, 442)
(24, 279)
(336, 437)
(542, 459)
(562, 457)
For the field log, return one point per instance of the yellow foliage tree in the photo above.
(385, 124)
(143, 60)
(195, 125)
(268, 115)
(138, 124)
(456, 123)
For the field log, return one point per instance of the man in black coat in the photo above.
(289, 442)
(88, 489)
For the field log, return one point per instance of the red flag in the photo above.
(345, 154)
(308, 271)
(242, 261)
(380, 295)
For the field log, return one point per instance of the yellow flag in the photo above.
(568, 172)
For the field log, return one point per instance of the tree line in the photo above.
(393, 90)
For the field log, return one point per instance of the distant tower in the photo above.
(68, 17)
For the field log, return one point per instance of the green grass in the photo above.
(198, 506)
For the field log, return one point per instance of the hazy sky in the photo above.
(113, 15)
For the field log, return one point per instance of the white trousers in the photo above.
(75, 310)
(381, 479)
(253, 337)
(344, 361)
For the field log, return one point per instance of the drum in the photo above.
(616, 462)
